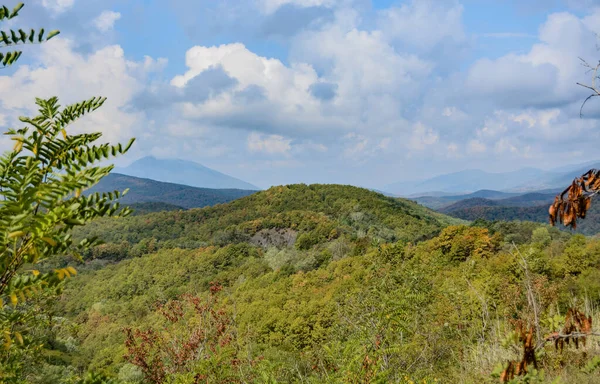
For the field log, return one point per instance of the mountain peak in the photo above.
(183, 172)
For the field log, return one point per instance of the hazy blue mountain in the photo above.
(183, 172)
(531, 199)
(468, 181)
(577, 167)
(166, 196)
(564, 180)
(439, 202)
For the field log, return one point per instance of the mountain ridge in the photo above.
(183, 172)
(468, 181)
(143, 190)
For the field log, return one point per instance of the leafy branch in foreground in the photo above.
(41, 201)
(575, 201)
(12, 38)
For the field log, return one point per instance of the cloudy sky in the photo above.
(346, 91)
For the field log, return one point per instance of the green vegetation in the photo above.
(151, 191)
(299, 283)
(11, 39)
(41, 180)
(319, 283)
(41, 183)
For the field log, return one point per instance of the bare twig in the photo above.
(592, 87)
(530, 294)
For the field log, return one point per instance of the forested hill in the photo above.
(498, 211)
(314, 214)
(147, 190)
(312, 277)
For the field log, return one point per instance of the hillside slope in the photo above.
(305, 279)
(146, 190)
(320, 212)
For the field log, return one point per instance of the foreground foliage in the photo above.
(41, 181)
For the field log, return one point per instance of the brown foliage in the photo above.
(577, 327)
(517, 368)
(162, 353)
(575, 201)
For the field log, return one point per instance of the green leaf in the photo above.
(16, 234)
(5, 38)
(23, 35)
(41, 35)
(74, 222)
(50, 241)
(16, 10)
(52, 34)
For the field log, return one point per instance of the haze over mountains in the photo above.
(183, 172)
(469, 181)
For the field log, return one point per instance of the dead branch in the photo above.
(593, 88)
(577, 328)
(575, 201)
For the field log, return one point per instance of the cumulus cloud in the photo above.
(58, 6)
(60, 71)
(106, 20)
(544, 76)
(270, 144)
(323, 91)
(476, 146)
(424, 24)
(422, 137)
(270, 6)
(305, 82)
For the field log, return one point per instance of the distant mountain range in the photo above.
(489, 198)
(499, 206)
(165, 196)
(183, 172)
(468, 181)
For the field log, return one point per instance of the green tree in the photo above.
(41, 200)
(10, 39)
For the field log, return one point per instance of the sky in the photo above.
(321, 91)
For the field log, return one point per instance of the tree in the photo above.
(41, 200)
(10, 38)
(41, 183)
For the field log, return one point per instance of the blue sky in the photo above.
(345, 91)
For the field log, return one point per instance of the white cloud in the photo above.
(423, 24)
(452, 151)
(546, 74)
(73, 77)
(270, 6)
(476, 146)
(58, 6)
(284, 102)
(396, 99)
(106, 20)
(422, 137)
(270, 144)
